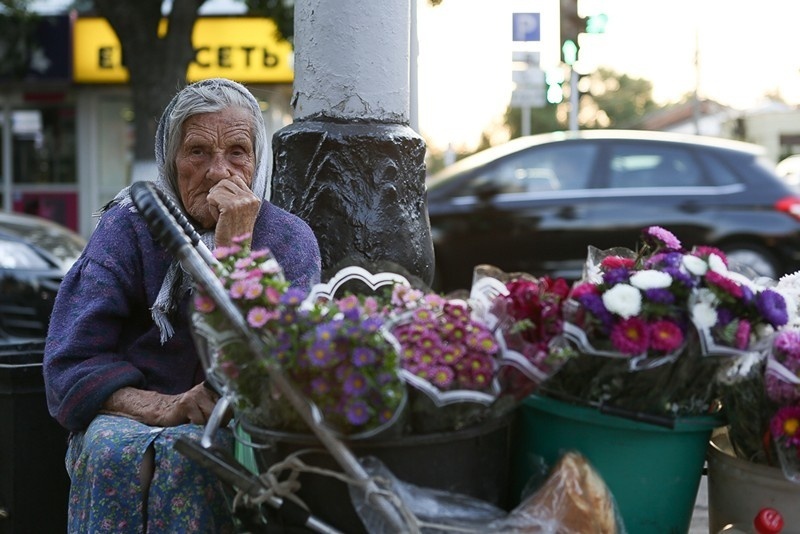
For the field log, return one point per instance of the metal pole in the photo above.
(526, 120)
(573, 100)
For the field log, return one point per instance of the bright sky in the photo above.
(746, 49)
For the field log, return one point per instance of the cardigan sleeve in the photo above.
(96, 308)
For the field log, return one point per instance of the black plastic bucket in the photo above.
(34, 485)
(474, 461)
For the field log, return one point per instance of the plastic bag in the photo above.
(573, 499)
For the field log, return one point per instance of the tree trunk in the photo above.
(157, 63)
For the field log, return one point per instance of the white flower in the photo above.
(651, 279)
(694, 265)
(790, 283)
(716, 264)
(704, 314)
(624, 300)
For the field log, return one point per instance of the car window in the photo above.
(542, 168)
(645, 165)
(720, 173)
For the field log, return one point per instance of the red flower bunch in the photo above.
(535, 307)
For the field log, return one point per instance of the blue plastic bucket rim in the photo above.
(593, 415)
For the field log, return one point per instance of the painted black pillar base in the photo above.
(361, 188)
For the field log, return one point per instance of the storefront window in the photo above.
(43, 146)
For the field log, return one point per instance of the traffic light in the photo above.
(553, 78)
(571, 26)
(596, 23)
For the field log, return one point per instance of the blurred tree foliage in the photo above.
(17, 40)
(607, 100)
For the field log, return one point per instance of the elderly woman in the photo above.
(121, 370)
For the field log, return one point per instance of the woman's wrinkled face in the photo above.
(215, 146)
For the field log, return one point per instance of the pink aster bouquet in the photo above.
(655, 327)
(761, 396)
(450, 358)
(336, 352)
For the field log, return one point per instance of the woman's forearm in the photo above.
(158, 409)
(148, 407)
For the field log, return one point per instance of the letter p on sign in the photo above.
(526, 27)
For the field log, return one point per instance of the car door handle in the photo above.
(690, 206)
(568, 212)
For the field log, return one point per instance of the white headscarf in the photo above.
(213, 92)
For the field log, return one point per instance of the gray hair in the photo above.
(209, 96)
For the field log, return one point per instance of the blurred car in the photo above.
(35, 253)
(789, 169)
(535, 204)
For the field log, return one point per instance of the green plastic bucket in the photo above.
(652, 471)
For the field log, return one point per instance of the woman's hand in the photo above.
(235, 208)
(157, 409)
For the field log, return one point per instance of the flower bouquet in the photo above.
(761, 396)
(398, 354)
(455, 359)
(336, 352)
(656, 327)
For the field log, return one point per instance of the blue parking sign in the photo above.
(526, 27)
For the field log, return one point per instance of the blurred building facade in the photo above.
(66, 142)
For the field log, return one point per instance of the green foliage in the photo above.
(280, 11)
(17, 42)
(623, 99)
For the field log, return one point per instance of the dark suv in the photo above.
(536, 203)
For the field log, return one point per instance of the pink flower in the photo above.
(257, 317)
(630, 336)
(724, 283)
(442, 377)
(203, 303)
(665, 336)
(616, 262)
(742, 338)
(665, 237)
(785, 426)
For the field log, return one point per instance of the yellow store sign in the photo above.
(241, 48)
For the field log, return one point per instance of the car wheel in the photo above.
(752, 261)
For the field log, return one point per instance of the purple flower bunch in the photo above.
(441, 343)
(336, 352)
(782, 388)
(645, 303)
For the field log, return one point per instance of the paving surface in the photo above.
(699, 523)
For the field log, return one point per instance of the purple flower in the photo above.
(320, 386)
(662, 237)
(594, 305)
(772, 306)
(320, 354)
(659, 295)
(616, 276)
(357, 412)
(372, 323)
(363, 356)
(355, 384)
(293, 296)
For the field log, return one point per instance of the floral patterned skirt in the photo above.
(106, 495)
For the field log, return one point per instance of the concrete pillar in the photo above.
(350, 164)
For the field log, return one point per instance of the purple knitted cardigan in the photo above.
(102, 336)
